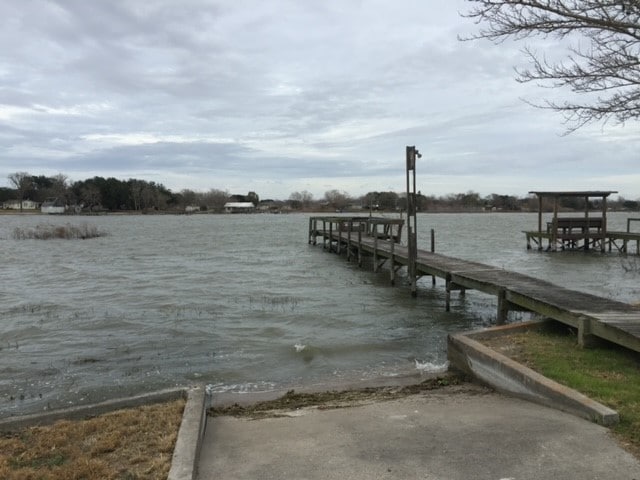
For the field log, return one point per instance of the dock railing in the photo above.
(338, 233)
(377, 227)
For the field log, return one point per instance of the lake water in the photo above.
(242, 302)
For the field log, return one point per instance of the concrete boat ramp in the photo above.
(456, 433)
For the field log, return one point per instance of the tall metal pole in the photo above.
(412, 231)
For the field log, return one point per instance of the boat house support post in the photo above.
(324, 234)
(554, 225)
(331, 235)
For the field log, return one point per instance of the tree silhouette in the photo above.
(603, 63)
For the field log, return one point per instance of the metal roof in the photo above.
(239, 205)
(579, 193)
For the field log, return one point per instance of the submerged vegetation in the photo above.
(606, 373)
(333, 399)
(64, 232)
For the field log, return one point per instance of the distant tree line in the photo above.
(111, 194)
(457, 202)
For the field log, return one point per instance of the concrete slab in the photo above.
(454, 433)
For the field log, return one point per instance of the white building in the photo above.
(53, 206)
(15, 205)
(239, 207)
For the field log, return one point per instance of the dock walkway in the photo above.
(592, 315)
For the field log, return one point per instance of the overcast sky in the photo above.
(286, 95)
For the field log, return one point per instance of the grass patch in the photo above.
(606, 373)
(64, 232)
(132, 444)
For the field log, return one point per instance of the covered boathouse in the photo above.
(585, 232)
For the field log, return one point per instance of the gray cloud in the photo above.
(283, 96)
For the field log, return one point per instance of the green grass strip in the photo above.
(606, 373)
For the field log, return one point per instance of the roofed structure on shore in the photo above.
(239, 207)
(53, 205)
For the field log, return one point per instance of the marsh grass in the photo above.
(64, 232)
(606, 373)
(131, 444)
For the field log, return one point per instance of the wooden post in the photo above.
(554, 225)
(604, 222)
(360, 245)
(447, 297)
(433, 249)
(315, 231)
(331, 235)
(412, 249)
(375, 247)
(540, 222)
(324, 234)
(339, 225)
(503, 307)
(349, 240)
(392, 269)
(586, 229)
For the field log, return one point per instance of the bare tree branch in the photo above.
(603, 65)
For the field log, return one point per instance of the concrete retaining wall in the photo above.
(186, 454)
(507, 376)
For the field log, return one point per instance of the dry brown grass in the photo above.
(129, 444)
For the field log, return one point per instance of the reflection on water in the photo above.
(240, 302)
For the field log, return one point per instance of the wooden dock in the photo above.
(379, 239)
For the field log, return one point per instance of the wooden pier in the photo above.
(379, 239)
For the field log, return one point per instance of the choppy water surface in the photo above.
(240, 302)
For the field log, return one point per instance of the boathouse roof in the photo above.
(239, 205)
(579, 193)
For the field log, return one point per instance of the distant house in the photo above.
(269, 206)
(53, 206)
(191, 208)
(239, 207)
(15, 205)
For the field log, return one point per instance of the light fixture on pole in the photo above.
(412, 238)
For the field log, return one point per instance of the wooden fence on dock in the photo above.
(379, 238)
